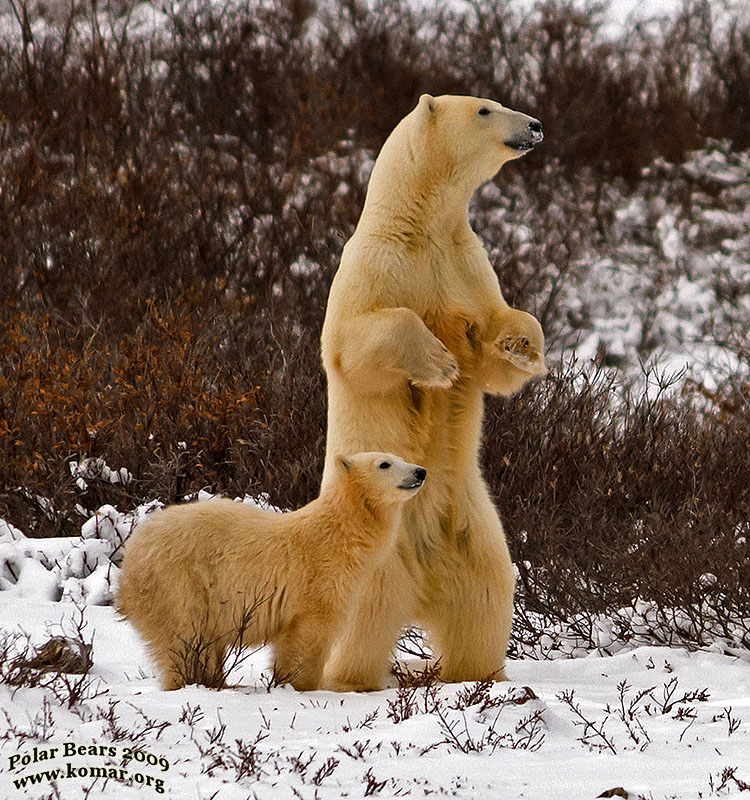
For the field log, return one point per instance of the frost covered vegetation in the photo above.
(177, 184)
(646, 725)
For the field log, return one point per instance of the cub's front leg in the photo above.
(516, 353)
(380, 350)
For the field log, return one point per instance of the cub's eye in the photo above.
(484, 111)
(384, 464)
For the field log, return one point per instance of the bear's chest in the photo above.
(463, 293)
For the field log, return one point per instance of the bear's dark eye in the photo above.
(484, 111)
(384, 464)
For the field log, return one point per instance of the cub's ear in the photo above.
(427, 104)
(343, 463)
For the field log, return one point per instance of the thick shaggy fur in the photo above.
(195, 574)
(416, 331)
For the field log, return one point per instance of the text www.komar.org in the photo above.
(19, 762)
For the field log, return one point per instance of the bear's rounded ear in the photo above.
(343, 463)
(427, 104)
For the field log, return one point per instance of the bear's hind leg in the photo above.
(469, 597)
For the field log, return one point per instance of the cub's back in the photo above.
(206, 524)
(193, 536)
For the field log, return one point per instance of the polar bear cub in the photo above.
(201, 578)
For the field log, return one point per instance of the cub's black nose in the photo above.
(535, 126)
(420, 473)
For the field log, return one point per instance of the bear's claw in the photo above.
(442, 372)
(518, 347)
(519, 352)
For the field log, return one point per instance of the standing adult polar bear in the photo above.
(416, 331)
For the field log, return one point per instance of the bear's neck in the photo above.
(361, 523)
(411, 199)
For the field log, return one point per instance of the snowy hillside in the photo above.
(649, 722)
(674, 285)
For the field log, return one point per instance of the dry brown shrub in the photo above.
(609, 502)
(154, 313)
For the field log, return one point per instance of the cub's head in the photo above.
(381, 477)
(474, 135)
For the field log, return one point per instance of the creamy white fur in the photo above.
(416, 331)
(191, 572)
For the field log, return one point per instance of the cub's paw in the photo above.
(519, 351)
(439, 369)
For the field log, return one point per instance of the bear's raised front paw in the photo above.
(519, 352)
(440, 370)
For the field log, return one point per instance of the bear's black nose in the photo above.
(535, 126)
(420, 473)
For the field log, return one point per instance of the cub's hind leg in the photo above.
(187, 659)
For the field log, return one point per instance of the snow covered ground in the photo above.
(650, 722)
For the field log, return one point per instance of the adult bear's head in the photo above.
(451, 141)
(474, 133)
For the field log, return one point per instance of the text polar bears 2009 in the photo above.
(115, 765)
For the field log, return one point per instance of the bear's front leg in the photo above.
(383, 604)
(515, 355)
(300, 651)
(383, 349)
